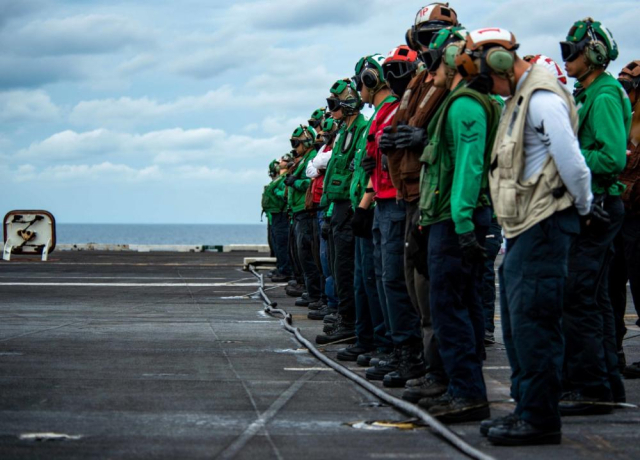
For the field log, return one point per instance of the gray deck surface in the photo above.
(182, 364)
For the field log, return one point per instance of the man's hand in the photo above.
(368, 164)
(362, 222)
(325, 230)
(598, 219)
(290, 180)
(471, 249)
(387, 142)
(410, 137)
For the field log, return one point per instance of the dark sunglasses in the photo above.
(295, 143)
(314, 123)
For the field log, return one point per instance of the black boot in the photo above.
(382, 368)
(430, 388)
(352, 352)
(366, 359)
(294, 291)
(461, 410)
(410, 366)
(320, 314)
(521, 433)
(507, 420)
(575, 403)
(632, 371)
(280, 278)
(304, 300)
(317, 305)
(343, 332)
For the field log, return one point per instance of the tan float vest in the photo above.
(519, 204)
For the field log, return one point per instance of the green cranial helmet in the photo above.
(317, 117)
(303, 135)
(592, 37)
(274, 168)
(344, 95)
(444, 46)
(368, 72)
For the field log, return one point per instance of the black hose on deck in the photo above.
(404, 406)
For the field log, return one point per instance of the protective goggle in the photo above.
(398, 69)
(432, 59)
(425, 34)
(314, 123)
(295, 143)
(333, 104)
(357, 80)
(571, 51)
(630, 85)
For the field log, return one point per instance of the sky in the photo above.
(159, 111)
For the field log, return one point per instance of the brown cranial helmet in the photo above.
(429, 20)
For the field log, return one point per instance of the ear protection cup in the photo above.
(465, 65)
(449, 55)
(408, 37)
(370, 78)
(500, 60)
(596, 54)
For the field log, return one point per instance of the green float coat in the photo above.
(605, 120)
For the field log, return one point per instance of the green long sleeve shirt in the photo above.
(466, 138)
(605, 120)
(456, 159)
(297, 192)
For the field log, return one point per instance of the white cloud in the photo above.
(85, 34)
(103, 172)
(27, 106)
(171, 146)
(129, 111)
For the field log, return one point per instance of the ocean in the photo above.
(196, 234)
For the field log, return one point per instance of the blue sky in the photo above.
(169, 112)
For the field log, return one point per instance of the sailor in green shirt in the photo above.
(304, 221)
(274, 205)
(344, 103)
(591, 363)
(455, 215)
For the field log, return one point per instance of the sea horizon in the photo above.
(162, 234)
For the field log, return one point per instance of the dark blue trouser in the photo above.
(418, 286)
(591, 361)
(304, 223)
(329, 287)
(343, 243)
(493, 245)
(388, 237)
(370, 322)
(456, 306)
(625, 267)
(280, 239)
(532, 281)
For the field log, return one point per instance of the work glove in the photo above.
(325, 230)
(290, 180)
(471, 249)
(387, 143)
(384, 162)
(410, 137)
(362, 223)
(597, 220)
(368, 164)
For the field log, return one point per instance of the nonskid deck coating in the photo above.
(164, 355)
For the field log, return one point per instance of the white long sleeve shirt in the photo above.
(548, 131)
(319, 162)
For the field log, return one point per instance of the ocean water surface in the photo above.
(196, 234)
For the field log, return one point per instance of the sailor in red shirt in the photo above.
(388, 232)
